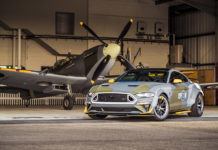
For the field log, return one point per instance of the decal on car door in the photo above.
(182, 96)
(177, 97)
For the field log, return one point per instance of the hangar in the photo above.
(37, 36)
(34, 36)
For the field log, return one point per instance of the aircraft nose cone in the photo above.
(112, 49)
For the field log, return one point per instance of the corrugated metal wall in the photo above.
(194, 23)
(195, 32)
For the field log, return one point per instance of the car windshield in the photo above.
(144, 75)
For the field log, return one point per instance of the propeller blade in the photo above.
(125, 30)
(101, 67)
(125, 62)
(93, 33)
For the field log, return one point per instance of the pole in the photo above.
(19, 49)
(14, 49)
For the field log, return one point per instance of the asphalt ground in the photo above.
(53, 128)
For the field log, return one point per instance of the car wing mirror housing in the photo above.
(175, 81)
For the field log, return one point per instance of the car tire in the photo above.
(97, 117)
(161, 110)
(198, 107)
(68, 102)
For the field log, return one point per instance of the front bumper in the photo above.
(137, 107)
(115, 112)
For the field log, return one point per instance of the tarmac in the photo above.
(54, 128)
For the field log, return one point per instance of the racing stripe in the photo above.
(97, 89)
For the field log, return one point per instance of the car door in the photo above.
(178, 99)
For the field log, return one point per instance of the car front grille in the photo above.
(114, 109)
(114, 97)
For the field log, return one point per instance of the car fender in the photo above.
(160, 90)
(194, 90)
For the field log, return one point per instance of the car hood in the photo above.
(125, 87)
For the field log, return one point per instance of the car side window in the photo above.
(176, 75)
(173, 76)
(183, 78)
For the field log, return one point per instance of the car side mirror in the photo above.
(175, 81)
(111, 81)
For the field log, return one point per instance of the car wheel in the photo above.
(198, 107)
(68, 102)
(161, 110)
(97, 117)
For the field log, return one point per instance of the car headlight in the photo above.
(148, 94)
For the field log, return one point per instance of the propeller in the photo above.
(101, 67)
(110, 52)
(124, 31)
(93, 33)
(121, 36)
(125, 62)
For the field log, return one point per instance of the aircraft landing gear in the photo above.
(68, 102)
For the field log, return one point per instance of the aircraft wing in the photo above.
(209, 86)
(41, 82)
(204, 86)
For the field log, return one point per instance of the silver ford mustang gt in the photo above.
(142, 92)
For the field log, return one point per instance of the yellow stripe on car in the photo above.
(140, 115)
(182, 112)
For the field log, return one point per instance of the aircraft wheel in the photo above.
(97, 117)
(68, 102)
(161, 111)
(198, 107)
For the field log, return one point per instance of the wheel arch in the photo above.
(165, 92)
(158, 111)
(165, 95)
(158, 93)
(194, 93)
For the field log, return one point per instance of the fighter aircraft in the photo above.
(68, 75)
